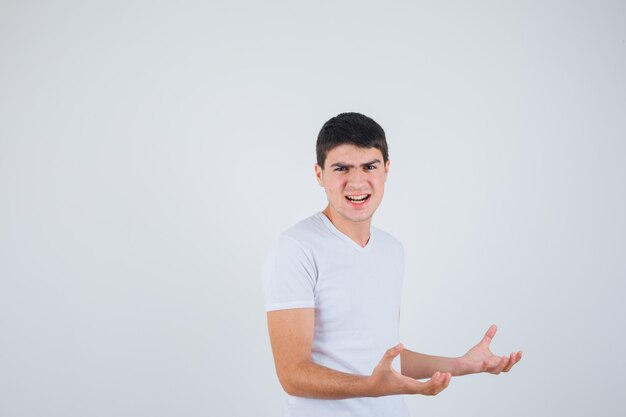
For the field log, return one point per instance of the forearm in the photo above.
(308, 379)
(420, 366)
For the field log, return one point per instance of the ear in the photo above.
(387, 168)
(319, 175)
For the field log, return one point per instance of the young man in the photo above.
(333, 288)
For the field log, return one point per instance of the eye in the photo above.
(340, 169)
(371, 167)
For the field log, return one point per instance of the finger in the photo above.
(443, 383)
(440, 383)
(433, 384)
(495, 363)
(517, 357)
(489, 334)
(435, 379)
(413, 386)
(512, 361)
(427, 387)
(504, 362)
(447, 380)
(390, 355)
(491, 363)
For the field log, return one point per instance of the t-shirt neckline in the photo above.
(345, 237)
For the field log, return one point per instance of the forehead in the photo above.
(352, 154)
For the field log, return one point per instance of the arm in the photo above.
(418, 365)
(291, 336)
(478, 359)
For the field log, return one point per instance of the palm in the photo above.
(481, 359)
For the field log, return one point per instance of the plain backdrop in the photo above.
(151, 151)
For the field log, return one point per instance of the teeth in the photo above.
(357, 198)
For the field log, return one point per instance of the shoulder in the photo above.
(302, 237)
(304, 229)
(293, 252)
(306, 233)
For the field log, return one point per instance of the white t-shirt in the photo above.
(356, 294)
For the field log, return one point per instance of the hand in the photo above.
(480, 359)
(387, 381)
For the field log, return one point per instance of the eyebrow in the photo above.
(344, 165)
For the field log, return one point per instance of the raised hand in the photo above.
(385, 380)
(481, 359)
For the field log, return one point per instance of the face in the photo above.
(354, 180)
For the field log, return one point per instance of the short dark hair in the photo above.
(350, 129)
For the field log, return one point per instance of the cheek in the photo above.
(332, 188)
(336, 185)
(379, 185)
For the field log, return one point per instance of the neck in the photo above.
(357, 231)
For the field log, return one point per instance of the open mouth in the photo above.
(358, 199)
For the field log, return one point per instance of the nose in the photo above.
(356, 178)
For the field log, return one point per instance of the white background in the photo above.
(151, 151)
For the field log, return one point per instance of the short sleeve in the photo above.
(289, 276)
